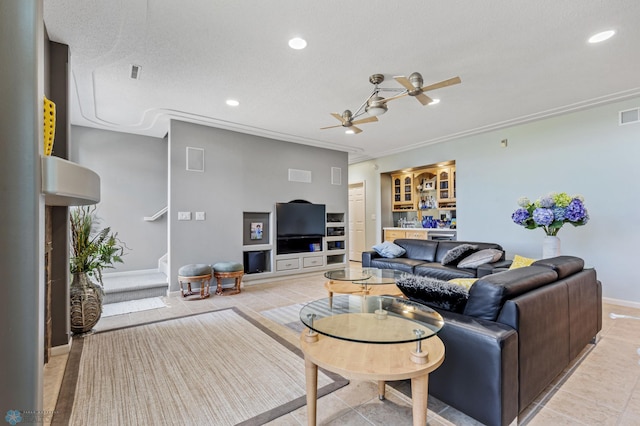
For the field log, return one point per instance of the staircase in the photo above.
(133, 285)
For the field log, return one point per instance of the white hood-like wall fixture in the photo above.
(65, 183)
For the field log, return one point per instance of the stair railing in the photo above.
(156, 216)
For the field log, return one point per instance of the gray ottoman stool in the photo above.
(195, 272)
(223, 270)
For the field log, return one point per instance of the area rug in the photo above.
(289, 316)
(119, 308)
(220, 367)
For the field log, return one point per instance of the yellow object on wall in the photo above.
(49, 125)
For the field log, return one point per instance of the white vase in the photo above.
(550, 247)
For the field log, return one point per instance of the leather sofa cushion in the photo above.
(399, 263)
(445, 273)
(424, 250)
(563, 265)
(489, 293)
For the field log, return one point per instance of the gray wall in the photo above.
(22, 211)
(584, 153)
(243, 173)
(133, 183)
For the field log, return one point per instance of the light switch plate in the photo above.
(184, 215)
(200, 216)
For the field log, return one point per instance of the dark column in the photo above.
(21, 205)
(58, 93)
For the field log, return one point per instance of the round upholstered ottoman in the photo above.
(223, 270)
(193, 273)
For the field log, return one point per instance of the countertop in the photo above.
(420, 229)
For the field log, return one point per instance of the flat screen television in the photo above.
(300, 220)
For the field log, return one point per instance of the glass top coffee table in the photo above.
(361, 281)
(371, 319)
(365, 337)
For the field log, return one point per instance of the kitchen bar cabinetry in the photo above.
(391, 234)
(446, 188)
(403, 199)
(424, 188)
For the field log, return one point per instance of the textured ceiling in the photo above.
(518, 61)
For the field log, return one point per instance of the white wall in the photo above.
(133, 184)
(243, 173)
(585, 152)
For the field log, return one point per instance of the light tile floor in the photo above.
(601, 388)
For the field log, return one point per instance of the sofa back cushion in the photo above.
(445, 246)
(418, 249)
(563, 265)
(489, 293)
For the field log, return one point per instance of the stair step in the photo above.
(133, 285)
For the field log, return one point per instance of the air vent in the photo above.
(135, 72)
(296, 175)
(336, 176)
(629, 116)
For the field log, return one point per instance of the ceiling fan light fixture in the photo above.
(232, 102)
(376, 106)
(350, 132)
(434, 101)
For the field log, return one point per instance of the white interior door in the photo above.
(356, 221)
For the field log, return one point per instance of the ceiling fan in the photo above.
(347, 121)
(414, 87)
(376, 105)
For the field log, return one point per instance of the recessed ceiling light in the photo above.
(349, 132)
(232, 102)
(434, 101)
(602, 36)
(297, 43)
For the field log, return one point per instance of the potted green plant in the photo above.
(91, 250)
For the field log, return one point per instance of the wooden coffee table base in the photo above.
(346, 287)
(368, 361)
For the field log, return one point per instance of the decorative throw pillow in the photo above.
(389, 249)
(520, 262)
(434, 293)
(456, 253)
(463, 282)
(480, 258)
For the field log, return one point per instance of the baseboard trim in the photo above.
(621, 302)
(61, 350)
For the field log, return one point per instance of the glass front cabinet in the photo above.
(403, 192)
(446, 193)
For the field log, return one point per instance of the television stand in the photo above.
(289, 245)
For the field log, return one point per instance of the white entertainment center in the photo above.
(292, 255)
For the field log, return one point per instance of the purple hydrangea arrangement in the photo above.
(551, 212)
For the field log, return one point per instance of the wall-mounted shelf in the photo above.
(65, 183)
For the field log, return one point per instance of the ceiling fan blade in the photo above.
(337, 116)
(330, 127)
(355, 129)
(423, 99)
(395, 97)
(445, 83)
(365, 120)
(404, 81)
